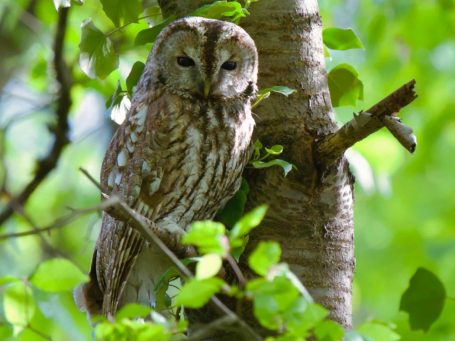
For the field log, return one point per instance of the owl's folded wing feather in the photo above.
(130, 169)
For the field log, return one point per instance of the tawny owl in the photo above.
(179, 155)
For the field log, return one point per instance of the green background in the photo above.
(405, 206)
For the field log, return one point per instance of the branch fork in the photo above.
(363, 124)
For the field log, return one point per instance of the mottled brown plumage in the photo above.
(179, 154)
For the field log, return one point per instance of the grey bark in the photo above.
(311, 210)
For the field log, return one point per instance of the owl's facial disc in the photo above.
(206, 59)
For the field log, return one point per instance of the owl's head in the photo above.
(203, 58)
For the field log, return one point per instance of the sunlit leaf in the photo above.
(264, 256)
(6, 331)
(133, 310)
(134, 76)
(423, 300)
(248, 222)
(286, 166)
(272, 300)
(208, 266)
(345, 86)
(341, 39)
(220, 9)
(149, 34)
(97, 57)
(18, 305)
(122, 12)
(284, 90)
(208, 236)
(304, 316)
(329, 331)
(275, 149)
(56, 275)
(8, 279)
(377, 331)
(196, 293)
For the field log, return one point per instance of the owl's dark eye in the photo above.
(229, 65)
(185, 61)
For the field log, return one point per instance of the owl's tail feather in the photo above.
(89, 296)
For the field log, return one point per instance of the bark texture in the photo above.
(311, 210)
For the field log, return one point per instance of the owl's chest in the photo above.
(205, 157)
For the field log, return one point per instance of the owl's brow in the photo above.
(182, 27)
(213, 33)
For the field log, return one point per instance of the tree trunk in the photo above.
(311, 210)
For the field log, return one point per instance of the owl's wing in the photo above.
(131, 169)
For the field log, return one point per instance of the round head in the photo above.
(204, 58)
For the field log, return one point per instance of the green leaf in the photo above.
(122, 12)
(6, 331)
(208, 236)
(134, 76)
(329, 331)
(353, 335)
(266, 255)
(345, 86)
(196, 293)
(286, 166)
(248, 222)
(220, 10)
(234, 208)
(284, 90)
(18, 305)
(149, 34)
(133, 310)
(97, 57)
(208, 266)
(257, 149)
(265, 93)
(272, 300)
(116, 97)
(131, 330)
(276, 149)
(341, 39)
(163, 301)
(309, 318)
(56, 275)
(8, 279)
(423, 300)
(377, 331)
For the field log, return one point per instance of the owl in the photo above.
(178, 156)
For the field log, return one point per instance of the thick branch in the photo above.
(334, 145)
(60, 131)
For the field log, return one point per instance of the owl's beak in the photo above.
(206, 88)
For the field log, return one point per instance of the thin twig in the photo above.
(62, 221)
(150, 232)
(60, 131)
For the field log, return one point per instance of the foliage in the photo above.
(395, 234)
(424, 299)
